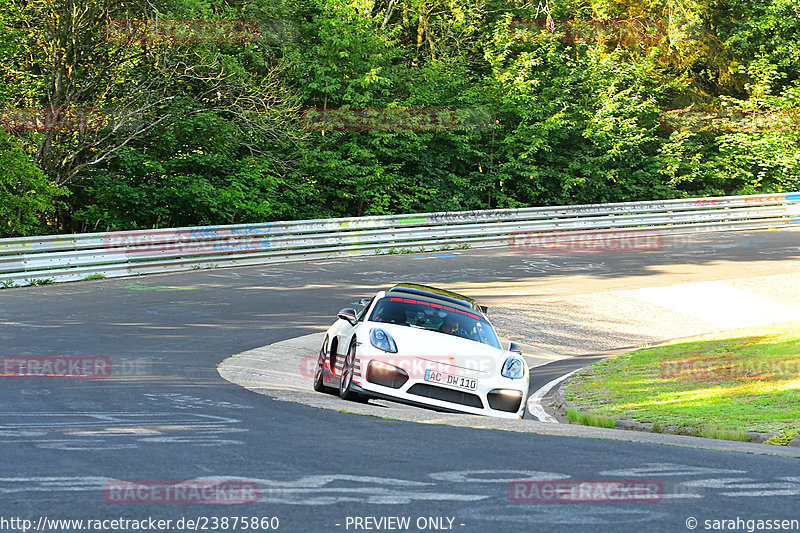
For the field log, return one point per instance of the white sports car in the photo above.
(423, 346)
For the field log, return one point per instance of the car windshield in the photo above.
(434, 317)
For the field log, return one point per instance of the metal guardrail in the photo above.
(59, 258)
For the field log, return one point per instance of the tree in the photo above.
(134, 83)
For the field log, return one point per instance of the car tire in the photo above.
(346, 381)
(319, 371)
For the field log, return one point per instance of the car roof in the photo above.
(438, 294)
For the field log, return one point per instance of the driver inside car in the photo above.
(452, 327)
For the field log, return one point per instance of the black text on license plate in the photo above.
(451, 380)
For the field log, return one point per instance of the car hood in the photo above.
(434, 346)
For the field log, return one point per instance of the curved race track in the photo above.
(165, 414)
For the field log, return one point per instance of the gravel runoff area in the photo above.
(605, 321)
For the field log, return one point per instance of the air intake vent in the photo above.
(504, 401)
(446, 395)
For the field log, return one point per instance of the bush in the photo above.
(28, 200)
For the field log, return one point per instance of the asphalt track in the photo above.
(165, 414)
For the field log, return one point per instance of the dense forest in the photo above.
(166, 113)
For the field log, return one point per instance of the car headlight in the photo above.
(513, 368)
(382, 340)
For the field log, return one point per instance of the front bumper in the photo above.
(487, 399)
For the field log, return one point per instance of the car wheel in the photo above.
(319, 383)
(346, 381)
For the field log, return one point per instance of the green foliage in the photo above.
(10, 36)
(782, 439)
(579, 125)
(40, 281)
(218, 137)
(192, 172)
(28, 200)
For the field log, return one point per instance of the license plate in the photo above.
(451, 380)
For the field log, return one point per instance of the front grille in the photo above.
(446, 395)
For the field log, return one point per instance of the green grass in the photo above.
(721, 385)
(577, 417)
(94, 276)
(41, 281)
(711, 432)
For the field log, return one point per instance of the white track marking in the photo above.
(535, 407)
(500, 476)
(103, 431)
(746, 487)
(668, 469)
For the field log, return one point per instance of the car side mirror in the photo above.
(348, 314)
(513, 347)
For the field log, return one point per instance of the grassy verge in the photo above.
(720, 385)
(577, 417)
